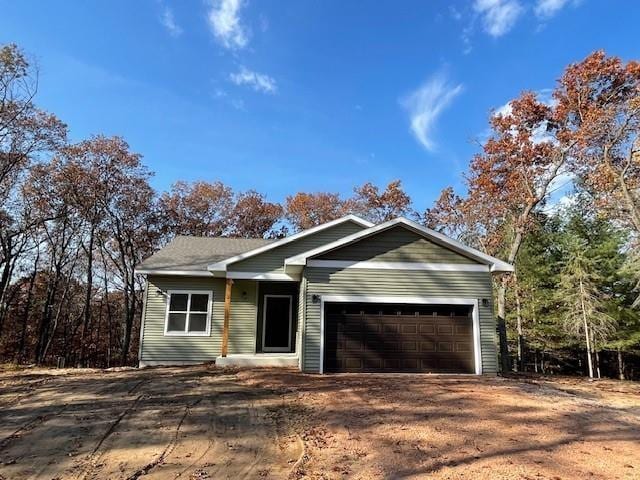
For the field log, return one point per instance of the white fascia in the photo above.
(181, 273)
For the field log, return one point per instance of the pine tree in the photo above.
(582, 300)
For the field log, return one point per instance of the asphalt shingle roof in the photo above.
(196, 253)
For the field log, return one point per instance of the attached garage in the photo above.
(389, 337)
(397, 297)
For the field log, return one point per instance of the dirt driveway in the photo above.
(202, 422)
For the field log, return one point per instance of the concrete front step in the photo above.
(259, 360)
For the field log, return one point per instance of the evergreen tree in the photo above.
(582, 301)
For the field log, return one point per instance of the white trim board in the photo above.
(183, 273)
(496, 264)
(222, 265)
(445, 267)
(283, 277)
(473, 302)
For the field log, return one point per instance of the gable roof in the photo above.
(221, 265)
(496, 264)
(191, 255)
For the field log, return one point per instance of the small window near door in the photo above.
(188, 313)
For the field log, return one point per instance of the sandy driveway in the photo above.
(202, 422)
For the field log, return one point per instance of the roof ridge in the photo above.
(220, 237)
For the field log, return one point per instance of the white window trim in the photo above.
(473, 302)
(264, 323)
(186, 332)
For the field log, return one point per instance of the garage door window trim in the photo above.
(473, 302)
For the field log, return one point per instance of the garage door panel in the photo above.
(398, 338)
(428, 329)
(411, 329)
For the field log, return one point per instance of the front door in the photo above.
(276, 323)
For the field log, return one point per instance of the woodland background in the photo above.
(75, 219)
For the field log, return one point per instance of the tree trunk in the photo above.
(87, 297)
(620, 365)
(130, 312)
(45, 320)
(502, 326)
(597, 357)
(108, 306)
(587, 335)
(5, 276)
(520, 357)
(20, 354)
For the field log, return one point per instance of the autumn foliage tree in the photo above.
(376, 206)
(26, 133)
(589, 130)
(212, 209)
(306, 210)
(507, 183)
(600, 96)
(253, 216)
(199, 208)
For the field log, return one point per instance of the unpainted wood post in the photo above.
(227, 316)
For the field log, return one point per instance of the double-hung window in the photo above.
(188, 313)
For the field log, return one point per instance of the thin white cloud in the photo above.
(226, 23)
(426, 104)
(168, 21)
(548, 8)
(498, 16)
(257, 81)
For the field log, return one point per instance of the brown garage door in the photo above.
(365, 337)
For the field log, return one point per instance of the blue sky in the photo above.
(304, 95)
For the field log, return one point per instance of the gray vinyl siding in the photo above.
(272, 261)
(156, 347)
(326, 281)
(396, 245)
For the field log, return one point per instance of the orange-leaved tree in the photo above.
(600, 96)
(508, 182)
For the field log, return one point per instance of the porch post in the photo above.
(227, 315)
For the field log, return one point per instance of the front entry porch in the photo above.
(276, 326)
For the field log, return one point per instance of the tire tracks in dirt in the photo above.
(30, 425)
(168, 449)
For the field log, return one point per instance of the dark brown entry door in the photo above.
(276, 323)
(364, 337)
